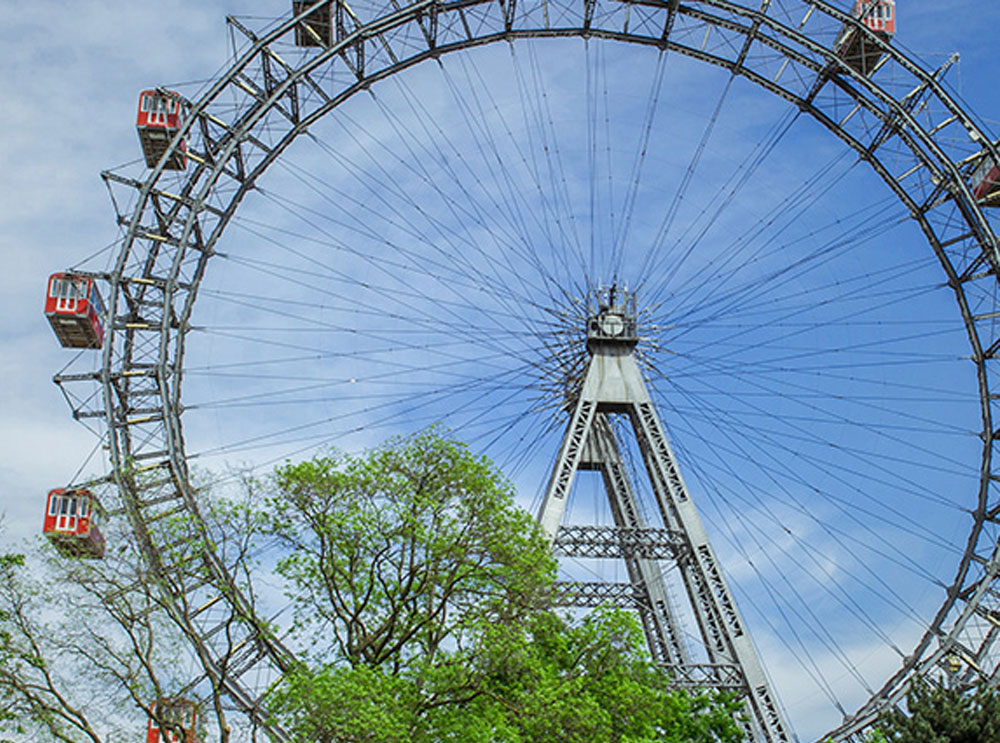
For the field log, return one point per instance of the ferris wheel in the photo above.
(393, 216)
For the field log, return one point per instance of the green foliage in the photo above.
(562, 682)
(426, 591)
(941, 715)
(358, 703)
(393, 553)
(9, 709)
(549, 681)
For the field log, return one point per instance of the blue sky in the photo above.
(73, 75)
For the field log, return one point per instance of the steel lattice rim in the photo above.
(189, 208)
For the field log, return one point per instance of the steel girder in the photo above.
(613, 384)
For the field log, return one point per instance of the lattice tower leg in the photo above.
(659, 617)
(614, 384)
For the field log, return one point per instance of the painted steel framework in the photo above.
(780, 45)
(613, 384)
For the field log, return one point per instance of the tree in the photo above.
(10, 710)
(427, 593)
(86, 646)
(44, 656)
(393, 553)
(421, 606)
(936, 714)
(556, 681)
(548, 681)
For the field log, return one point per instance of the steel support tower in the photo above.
(613, 385)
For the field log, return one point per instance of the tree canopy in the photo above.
(937, 714)
(435, 590)
(392, 553)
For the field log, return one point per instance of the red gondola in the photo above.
(317, 29)
(179, 718)
(70, 523)
(878, 15)
(75, 310)
(159, 118)
(985, 182)
(852, 46)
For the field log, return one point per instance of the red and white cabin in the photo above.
(860, 53)
(985, 182)
(70, 523)
(179, 718)
(75, 310)
(158, 120)
(878, 15)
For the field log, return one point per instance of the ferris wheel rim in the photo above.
(170, 374)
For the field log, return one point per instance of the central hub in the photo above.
(614, 323)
